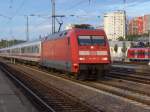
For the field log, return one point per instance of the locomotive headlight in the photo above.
(81, 59)
(92, 47)
(105, 59)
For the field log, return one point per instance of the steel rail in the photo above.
(128, 94)
(27, 89)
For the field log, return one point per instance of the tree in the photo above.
(116, 48)
(6, 43)
(132, 37)
(147, 44)
(124, 49)
(120, 38)
(131, 45)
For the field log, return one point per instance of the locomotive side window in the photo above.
(91, 40)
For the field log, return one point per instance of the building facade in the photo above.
(139, 25)
(136, 26)
(115, 24)
(146, 23)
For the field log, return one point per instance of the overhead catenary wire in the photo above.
(18, 9)
(10, 18)
(76, 5)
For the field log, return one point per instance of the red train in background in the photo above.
(139, 53)
(81, 51)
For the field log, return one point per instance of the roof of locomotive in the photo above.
(62, 34)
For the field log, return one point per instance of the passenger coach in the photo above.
(30, 51)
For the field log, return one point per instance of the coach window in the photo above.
(26, 50)
(22, 50)
(33, 49)
(30, 49)
(38, 49)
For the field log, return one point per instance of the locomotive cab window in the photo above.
(98, 40)
(91, 40)
(84, 40)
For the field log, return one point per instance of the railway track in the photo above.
(52, 99)
(135, 69)
(122, 90)
(142, 96)
(145, 72)
(127, 85)
(140, 77)
(27, 89)
(131, 63)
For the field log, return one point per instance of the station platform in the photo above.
(11, 98)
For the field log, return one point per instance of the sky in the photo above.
(13, 14)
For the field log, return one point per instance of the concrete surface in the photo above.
(11, 98)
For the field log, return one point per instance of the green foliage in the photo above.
(120, 39)
(124, 48)
(132, 37)
(147, 44)
(131, 44)
(116, 48)
(6, 43)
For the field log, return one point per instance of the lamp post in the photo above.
(27, 30)
(53, 16)
(27, 26)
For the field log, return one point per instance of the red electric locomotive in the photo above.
(84, 52)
